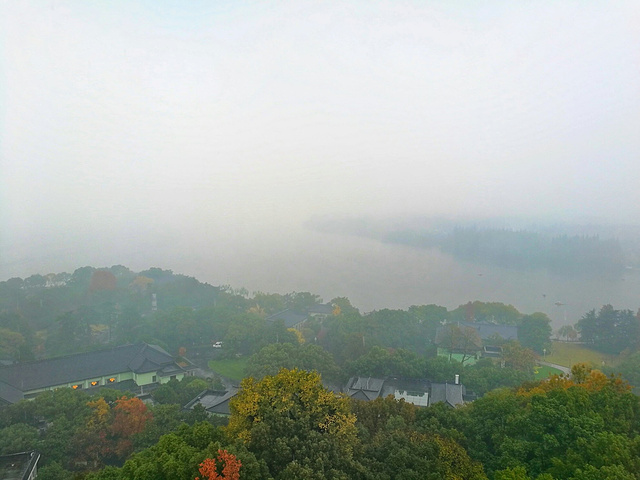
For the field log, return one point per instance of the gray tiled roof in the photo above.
(321, 309)
(214, 401)
(289, 317)
(448, 393)
(485, 330)
(9, 394)
(140, 358)
(365, 388)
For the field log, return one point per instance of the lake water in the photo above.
(374, 275)
(371, 274)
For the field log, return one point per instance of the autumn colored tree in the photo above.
(130, 418)
(92, 442)
(290, 420)
(225, 467)
(102, 280)
(518, 357)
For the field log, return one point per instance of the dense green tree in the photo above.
(492, 312)
(380, 362)
(441, 369)
(54, 471)
(534, 332)
(485, 376)
(270, 359)
(18, 437)
(629, 368)
(610, 330)
(301, 301)
(179, 391)
(429, 317)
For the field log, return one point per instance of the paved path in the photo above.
(559, 367)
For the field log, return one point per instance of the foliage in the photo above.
(489, 312)
(226, 467)
(459, 339)
(291, 417)
(18, 437)
(534, 332)
(610, 330)
(629, 368)
(379, 362)
(270, 359)
(485, 376)
(568, 332)
(441, 369)
(555, 427)
(518, 357)
(179, 391)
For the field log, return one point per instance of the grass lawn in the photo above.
(542, 372)
(568, 354)
(230, 367)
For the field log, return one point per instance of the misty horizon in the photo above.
(201, 137)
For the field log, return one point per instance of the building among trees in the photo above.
(467, 342)
(127, 366)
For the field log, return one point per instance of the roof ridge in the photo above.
(67, 355)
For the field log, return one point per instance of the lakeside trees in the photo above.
(610, 330)
(304, 434)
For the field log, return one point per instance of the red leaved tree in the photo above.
(130, 417)
(226, 467)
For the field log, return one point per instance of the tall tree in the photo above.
(534, 332)
(291, 422)
(610, 330)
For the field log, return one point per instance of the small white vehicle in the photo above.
(217, 345)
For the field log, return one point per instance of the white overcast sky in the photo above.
(196, 115)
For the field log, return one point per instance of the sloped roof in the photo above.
(9, 394)
(213, 401)
(485, 330)
(321, 309)
(140, 358)
(365, 388)
(449, 393)
(289, 317)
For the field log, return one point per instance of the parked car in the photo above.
(217, 345)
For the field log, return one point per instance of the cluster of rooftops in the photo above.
(418, 392)
(132, 367)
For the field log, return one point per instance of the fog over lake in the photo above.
(201, 136)
(372, 274)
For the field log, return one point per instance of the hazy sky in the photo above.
(122, 119)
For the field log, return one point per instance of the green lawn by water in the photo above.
(542, 372)
(230, 367)
(568, 354)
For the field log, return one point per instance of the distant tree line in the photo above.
(504, 247)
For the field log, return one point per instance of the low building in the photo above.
(215, 402)
(421, 393)
(289, 318)
(295, 319)
(19, 466)
(365, 388)
(467, 342)
(136, 365)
